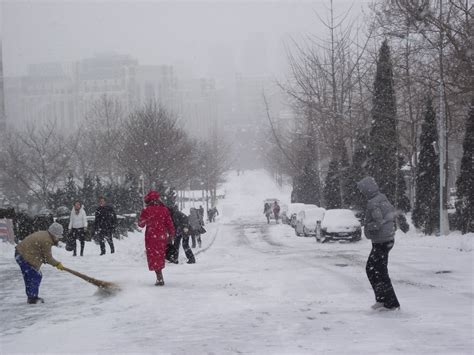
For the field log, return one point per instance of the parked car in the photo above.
(293, 211)
(312, 222)
(340, 225)
(300, 217)
(284, 213)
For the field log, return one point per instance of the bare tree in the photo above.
(97, 152)
(153, 145)
(36, 160)
(213, 161)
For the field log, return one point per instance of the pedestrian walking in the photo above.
(183, 231)
(211, 214)
(267, 211)
(276, 211)
(104, 225)
(379, 227)
(77, 227)
(159, 231)
(31, 253)
(201, 215)
(195, 223)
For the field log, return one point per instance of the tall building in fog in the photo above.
(3, 117)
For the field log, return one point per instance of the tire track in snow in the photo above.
(210, 244)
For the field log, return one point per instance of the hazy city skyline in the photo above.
(215, 39)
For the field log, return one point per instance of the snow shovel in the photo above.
(103, 285)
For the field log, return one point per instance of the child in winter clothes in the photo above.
(77, 226)
(379, 227)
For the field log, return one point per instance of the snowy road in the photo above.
(256, 288)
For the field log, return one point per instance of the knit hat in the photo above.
(152, 196)
(56, 229)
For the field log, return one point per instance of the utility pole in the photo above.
(3, 116)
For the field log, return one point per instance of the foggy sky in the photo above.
(205, 38)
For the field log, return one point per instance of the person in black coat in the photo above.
(104, 225)
(183, 231)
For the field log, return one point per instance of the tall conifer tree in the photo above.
(383, 140)
(465, 181)
(332, 186)
(426, 210)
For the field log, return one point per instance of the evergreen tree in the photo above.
(402, 202)
(357, 172)
(383, 142)
(87, 194)
(71, 191)
(133, 195)
(307, 187)
(57, 199)
(344, 174)
(99, 189)
(465, 181)
(332, 186)
(426, 211)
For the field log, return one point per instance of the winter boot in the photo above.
(377, 305)
(387, 309)
(34, 300)
(159, 278)
(191, 261)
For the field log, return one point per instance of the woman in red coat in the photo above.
(159, 227)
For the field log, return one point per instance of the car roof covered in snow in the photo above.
(339, 217)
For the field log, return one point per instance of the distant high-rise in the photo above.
(3, 117)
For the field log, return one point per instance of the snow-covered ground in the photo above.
(255, 288)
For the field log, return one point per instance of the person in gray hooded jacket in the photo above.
(379, 227)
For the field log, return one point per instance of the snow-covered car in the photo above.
(284, 213)
(300, 217)
(293, 210)
(341, 225)
(312, 221)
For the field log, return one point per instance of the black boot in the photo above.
(34, 300)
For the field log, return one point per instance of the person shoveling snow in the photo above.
(34, 251)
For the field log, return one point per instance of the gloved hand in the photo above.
(60, 266)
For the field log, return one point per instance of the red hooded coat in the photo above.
(159, 225)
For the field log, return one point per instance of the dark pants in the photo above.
(31, 276)
(194, 237)
(106, 235)
(78, 234)
(377, 272)
(187, 250)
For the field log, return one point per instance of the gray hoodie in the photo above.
(194, 220)
(379, 223)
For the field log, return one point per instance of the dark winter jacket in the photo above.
(379, 225)
(180, 222)
(105, 218)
